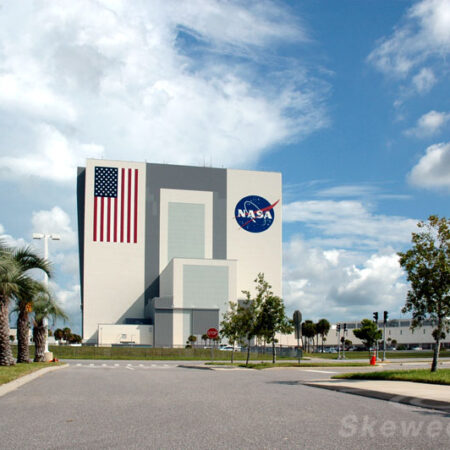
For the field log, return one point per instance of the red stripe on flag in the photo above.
(108, 224)
(115, 220)
(122, 204)
(102, 215)
(135, 203)
(95, 219)
(129, 207)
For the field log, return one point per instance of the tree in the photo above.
(75, 339)
(67, 332)
(368, 333)
(322, 329)
(27, 260)
(190, 340)
(247, 320)
(308, 331)
(14, 283)
(204, 338)
(272, 318)
(427, 265)
(58, 334)
(230, 327)
(44, 306)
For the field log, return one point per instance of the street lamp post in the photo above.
(46, 237)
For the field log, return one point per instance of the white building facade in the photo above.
(167, 247)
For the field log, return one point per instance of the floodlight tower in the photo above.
(46, 237)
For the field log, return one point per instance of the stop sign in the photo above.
(212, 333)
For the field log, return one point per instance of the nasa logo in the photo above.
(254, 213)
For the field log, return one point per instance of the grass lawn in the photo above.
(441, 376)
(269, 365)
(10, 373)
(143, 353)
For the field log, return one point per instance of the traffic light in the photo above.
(385, 316)
(375, 317)
(338, 327)
(345, 328)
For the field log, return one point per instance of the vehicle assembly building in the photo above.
(164, 248)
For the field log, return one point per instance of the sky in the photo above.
(348, 99)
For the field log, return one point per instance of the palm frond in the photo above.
(29, 259)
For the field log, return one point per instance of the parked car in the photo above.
(417, 348)
(229, 348)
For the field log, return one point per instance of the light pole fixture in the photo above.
(46, 237)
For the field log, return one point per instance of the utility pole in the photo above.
(385, 318)
(46, 237)
(375, 319)
(338, 332)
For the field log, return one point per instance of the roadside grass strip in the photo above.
(399, 354)
(269, 365)
(145, 353)
(441, 376)
(10, 373)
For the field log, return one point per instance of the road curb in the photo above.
(14, 384)
(404, 399)
(199, 367)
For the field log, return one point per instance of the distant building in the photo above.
(164, 248)
(398, 330)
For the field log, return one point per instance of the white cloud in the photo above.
(55, 157)
(55, 221)
(349, 223)
(151, 81)
(422, 38)
(424, 81)
(339, 284)
(69, 300)
(433, 169)
(429, 124)
(10, 240)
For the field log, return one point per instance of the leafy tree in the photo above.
(230, 327)
(272, 319)
(247, 320)
(427, 265)
(322, 329)
(394, 343)
(204, 338)
(308, 331)
(368, 333)
(44, 306)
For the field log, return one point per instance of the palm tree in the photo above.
(10, 280)
(44, 306)
(27, 260)
(15, 283)
(322, 328)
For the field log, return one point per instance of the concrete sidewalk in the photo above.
(434, 396)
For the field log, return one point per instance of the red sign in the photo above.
(212, 333)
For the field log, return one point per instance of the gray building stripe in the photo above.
(163, 176)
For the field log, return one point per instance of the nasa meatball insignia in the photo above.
(254, 213)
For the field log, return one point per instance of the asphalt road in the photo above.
(152, 404)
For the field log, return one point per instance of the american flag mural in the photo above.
(115, 205)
